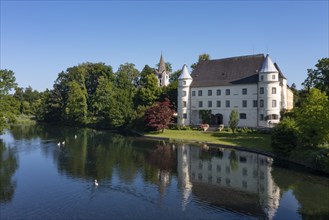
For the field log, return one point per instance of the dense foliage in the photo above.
(312, 119)
(159, 116)
(284, 137)
(319, 77)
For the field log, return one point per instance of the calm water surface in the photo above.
(143, 179)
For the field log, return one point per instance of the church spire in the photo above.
(162, 65)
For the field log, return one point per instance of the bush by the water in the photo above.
(284, 137)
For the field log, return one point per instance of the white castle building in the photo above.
(253, 85)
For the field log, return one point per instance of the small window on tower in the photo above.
(273, 76)
(184, 104)
(261, 103)
(185, 116)
(184, 93)
(184, 82)
(261, 90)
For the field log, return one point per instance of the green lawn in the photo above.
(249, 140)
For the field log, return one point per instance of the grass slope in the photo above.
(249, 140)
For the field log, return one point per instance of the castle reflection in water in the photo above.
(234, 180)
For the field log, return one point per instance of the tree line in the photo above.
(90, 94)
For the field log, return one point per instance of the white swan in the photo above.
(96, 183)
(75, 136)
(63, 142)
(59, 144)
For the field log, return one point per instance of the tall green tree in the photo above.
(148, 91)
(202, 57)
(107, 105)
(125, 91)
(7, 81)
(234, 120)
(8, 105)
(76, 107)
(319, 77)
(312, 118)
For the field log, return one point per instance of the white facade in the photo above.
(259, 103)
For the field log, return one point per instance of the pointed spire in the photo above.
(268, 66)
(162, 65)
(185, 73)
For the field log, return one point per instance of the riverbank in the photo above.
(314, 159)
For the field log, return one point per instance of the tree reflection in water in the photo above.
(8, 166)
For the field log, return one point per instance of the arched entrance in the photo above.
(216, 119)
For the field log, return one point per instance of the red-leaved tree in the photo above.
(159, 115)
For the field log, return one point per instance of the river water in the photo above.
(144, 179)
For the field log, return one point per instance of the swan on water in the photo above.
(96, 183)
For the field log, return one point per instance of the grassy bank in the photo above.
(249, 140)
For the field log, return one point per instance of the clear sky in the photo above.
(39, 39)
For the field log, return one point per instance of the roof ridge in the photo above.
(244, 56)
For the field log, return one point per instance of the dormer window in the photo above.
(261, 78)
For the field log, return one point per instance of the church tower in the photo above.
(183, 97)
(269, 94)
(162, 74)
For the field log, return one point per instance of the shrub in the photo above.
(284, 137)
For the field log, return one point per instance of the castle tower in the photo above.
(162, 73)
(269, 94)
(183, 97)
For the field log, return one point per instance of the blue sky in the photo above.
(39, 39)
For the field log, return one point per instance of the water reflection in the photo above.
(217, 179)
(234, 180)
(8, 166)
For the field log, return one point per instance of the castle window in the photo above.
(261, 90)
(228, 181)
(261, 103)
(275, 116)
(218, 104)
(261, 117)
(273, 103)
(184, 104)
(193, 93)
(261, 78)
(209, 104)
(184, 82)
(219, 92)
(273, 90)
(273, 76)
(244, 91)
(227, 92)
(244, 103)
(244, 172)
(185, 116)
(227, 103)
(199, 92)
(209, 92)
(184, 93)
(243, 116)
(254, 103)
(200, 104)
